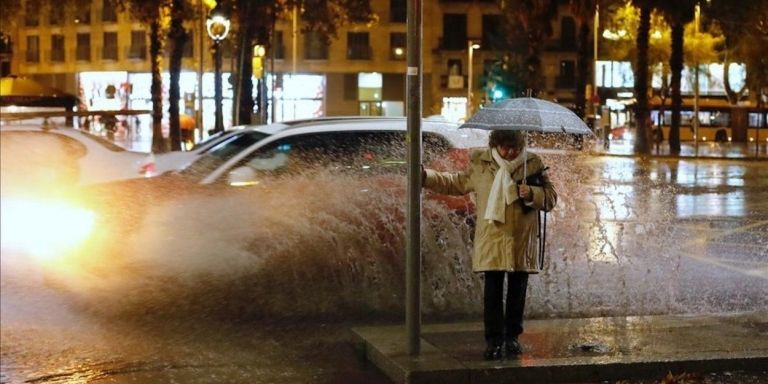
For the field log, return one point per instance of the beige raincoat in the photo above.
(513, 245)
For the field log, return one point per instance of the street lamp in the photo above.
(471, 46)
(259, 71)
(218, 28)
(594, 99)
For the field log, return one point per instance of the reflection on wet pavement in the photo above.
(186, 353)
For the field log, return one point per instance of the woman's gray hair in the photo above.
(506, 138)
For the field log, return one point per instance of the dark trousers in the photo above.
(497, 326)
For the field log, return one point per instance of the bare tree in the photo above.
(150, 13)
(642, 114)
(254, 21)
(530, 25)
(584, 11)
(678, 14)
(178, 36)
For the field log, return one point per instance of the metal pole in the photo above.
(696, 89)
(413, 224)
(219, 124)
(294, 37)
(469, 78)
(762, 121)
(596, 35)
(200, 71)
(271, 117)
(595, 107)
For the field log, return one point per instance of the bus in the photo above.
(718, 121)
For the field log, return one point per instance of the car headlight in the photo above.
(45, 229)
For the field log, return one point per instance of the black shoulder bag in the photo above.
(537, 180)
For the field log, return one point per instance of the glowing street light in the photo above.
(218, 29)
(471, 46)
(611, 34)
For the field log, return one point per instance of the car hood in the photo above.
(168, 184)
(172, 161)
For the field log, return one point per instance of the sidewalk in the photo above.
(746, 151)
(576, 350)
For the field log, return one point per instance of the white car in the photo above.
(241, 134)
(176, 160)
(372, 148)
(38, 169)
(232, 161)
(33, 154)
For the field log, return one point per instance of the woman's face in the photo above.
(508, 153)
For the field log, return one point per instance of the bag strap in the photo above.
(542, 218)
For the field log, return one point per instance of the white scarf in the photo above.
(503, 190)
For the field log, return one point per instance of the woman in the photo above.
(506, 232)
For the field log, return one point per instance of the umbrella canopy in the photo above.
(528, 114)
(26, 92)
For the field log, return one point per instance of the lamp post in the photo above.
(218, 28)
(471, 46)
(259, 51)
(593, 102)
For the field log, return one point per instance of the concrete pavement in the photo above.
(576, 350)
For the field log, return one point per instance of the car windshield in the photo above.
(221, 152)
(209, 140)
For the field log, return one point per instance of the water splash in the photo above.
(324, 244)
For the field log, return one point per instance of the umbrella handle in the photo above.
(525, 158)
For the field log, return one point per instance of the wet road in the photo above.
(628, 237)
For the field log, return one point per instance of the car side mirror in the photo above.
(242, 177)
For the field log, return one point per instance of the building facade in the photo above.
(102, 55)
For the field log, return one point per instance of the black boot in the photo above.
(514, 348)
(492, 352)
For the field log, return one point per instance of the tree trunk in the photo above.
(733, 95)
(155, 56)
(676, 66)
(583, 69)
(246, 79)
(729, 93)
(533, 74)
(641, 83)
(178, 39)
